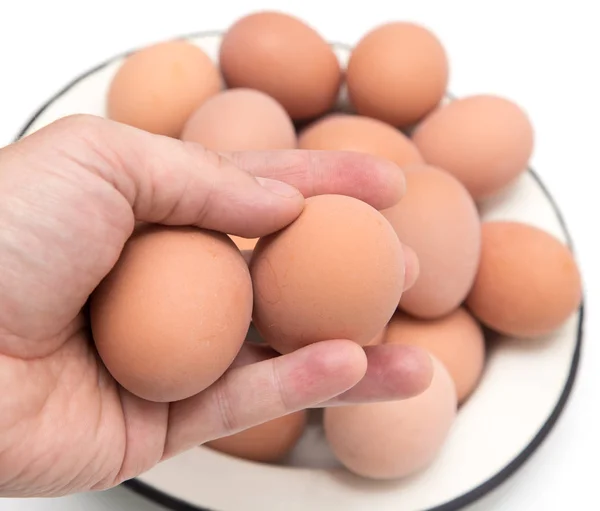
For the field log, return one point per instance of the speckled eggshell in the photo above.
(438, 219)
(163, 319)
(394, 439)
(336, 272)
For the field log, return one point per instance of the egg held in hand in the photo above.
(173, 313)
(336, 272)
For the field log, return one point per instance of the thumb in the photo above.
(70, 195)
(171, 182)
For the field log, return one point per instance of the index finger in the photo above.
(374, 180)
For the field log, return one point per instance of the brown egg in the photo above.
(438, 219)
(241, 120)
(268, 442)
(336, 272)
(284, 57)
(485, 141)
(245, 245)
(378, 339)
(456, 340)
(397, 73)
(157, 88)
(393, 439)
(162, 319)
(345, 132)
(528, 282)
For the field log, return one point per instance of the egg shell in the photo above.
(284, 57)
(437, 218)
(336, 272)
(398, 73)
(241, 120)
(485, 141)
(347, 132)
(158, 87)
(456, 340)
(528, 282)
(268, 442)
(394, 439)
(378, 339)
(162, 319)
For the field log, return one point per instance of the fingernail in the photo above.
(278, 187)
(412, 267)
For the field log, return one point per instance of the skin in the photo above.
(70, 196)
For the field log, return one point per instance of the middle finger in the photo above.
(394, 372)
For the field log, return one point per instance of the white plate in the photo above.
(521, 395)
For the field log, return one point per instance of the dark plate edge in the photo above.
(471, 496)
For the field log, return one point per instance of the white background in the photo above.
(544, 55)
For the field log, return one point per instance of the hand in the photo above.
(70, 195)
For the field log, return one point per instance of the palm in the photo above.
(67, 415)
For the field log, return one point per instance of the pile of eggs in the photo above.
(175, 311)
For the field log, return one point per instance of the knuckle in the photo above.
(80, 125)
(77, 131)
(280, 389)
(314, 171)
(209, 164)
(203, 155)
(228, 418)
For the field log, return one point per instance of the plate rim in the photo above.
(176, 504)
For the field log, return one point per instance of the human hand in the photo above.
(70, 196)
